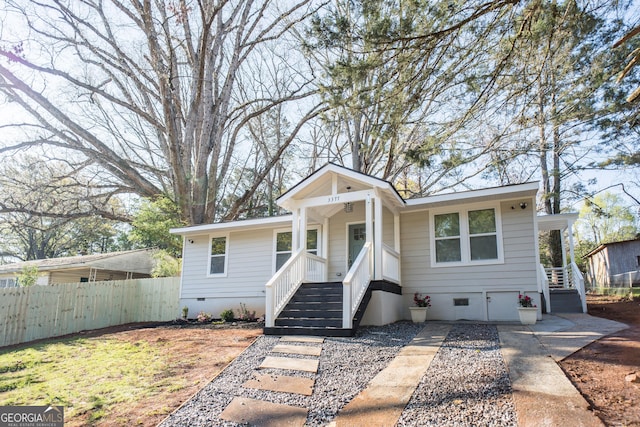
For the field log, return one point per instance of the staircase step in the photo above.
(309, 322)
(310, 331)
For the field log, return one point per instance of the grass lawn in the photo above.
(97, 377)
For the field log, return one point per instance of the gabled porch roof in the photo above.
(332, 179)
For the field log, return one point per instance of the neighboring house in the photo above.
(84, 268)
(614, 264)
(362, 251)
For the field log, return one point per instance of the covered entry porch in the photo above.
(356, 223)
(560, 284)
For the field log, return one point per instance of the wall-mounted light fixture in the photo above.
(523, 205)
(190, 241)
(348, 207)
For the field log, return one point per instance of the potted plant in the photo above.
(527, 310)
(419, 312)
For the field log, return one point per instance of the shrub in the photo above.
(227, 315)
(203, 317)
(246, 315)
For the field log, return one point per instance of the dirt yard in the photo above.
(599, 370)
(194, 356)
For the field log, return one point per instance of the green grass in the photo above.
(86, 376)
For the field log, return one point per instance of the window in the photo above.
(447, 235)
(283, 245)
(483, 240)
(218, 258)
(466, 237)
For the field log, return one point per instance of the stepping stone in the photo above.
(282, 383)
(293, 338)
(306, 365)
(306, 350)
(254, 412)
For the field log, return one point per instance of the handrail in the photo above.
(355, 285)
(390, 264)
(578, 282)
(284, 284)
(543, 287)
(558, 277)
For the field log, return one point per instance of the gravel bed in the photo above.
(346, 367)
(467, 383)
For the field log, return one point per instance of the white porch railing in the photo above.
(567, 278)
(577, 281)
(557, 277)
(390, 264)
(284, 284)
(543, 287)
(355, 285)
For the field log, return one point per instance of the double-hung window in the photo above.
(470, 236)
(218, 256)
(283, 246)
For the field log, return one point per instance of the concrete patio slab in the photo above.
(281, 383)
(564, 334)
(302, 338)
(381, 403)
(305, 350)
(266, 414)
(306, 365)
(542, 394)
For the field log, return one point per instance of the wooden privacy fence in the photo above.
(28, 314)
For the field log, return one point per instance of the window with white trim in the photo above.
(283, 245)
(218, 256)
(466, 237)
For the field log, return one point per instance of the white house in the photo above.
(354, 251)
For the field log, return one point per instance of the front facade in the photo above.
(472, 252)
(614, 264)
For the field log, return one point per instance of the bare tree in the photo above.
(154, 96)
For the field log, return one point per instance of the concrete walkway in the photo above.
(542, 394)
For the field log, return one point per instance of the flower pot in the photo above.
(528, 315)
(418, 314)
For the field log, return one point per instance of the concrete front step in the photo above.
(282, 384)
(290, 363)
(255, 412)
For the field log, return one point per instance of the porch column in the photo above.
(368, 215)
(571, 245)
(563, 244)
(377, 239)
(396, 242)
(295, 224)
(303, 229)
(325, 246)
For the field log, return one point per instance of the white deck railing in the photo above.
(284, 284)
(390, 264)
(577, 280)
(543, 287)
(557, 277)
(355, 285)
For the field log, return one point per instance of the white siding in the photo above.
(517, 273)
(249, 264)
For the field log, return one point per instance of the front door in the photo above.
(357, 239)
